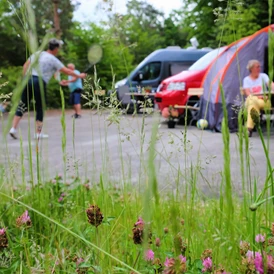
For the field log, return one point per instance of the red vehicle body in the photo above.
(174, 90)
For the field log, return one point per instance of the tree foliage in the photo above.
(127, 38)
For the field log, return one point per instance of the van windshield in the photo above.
(203, 62)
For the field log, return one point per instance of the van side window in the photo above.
(176, 68)
(150, 71)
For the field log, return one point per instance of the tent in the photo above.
(229, 69)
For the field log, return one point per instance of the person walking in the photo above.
(41, 66)
(76, 87)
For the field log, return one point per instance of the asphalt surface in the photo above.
(119, 152)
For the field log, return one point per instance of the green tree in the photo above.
(214, 21)
(140, 29)
(173, 31)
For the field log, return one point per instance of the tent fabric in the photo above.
(229, 70)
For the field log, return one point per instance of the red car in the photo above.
(173, 90)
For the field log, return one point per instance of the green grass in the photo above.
(183, 222)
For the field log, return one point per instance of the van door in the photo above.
(148, 76)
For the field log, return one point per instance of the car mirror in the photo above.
(140, 75)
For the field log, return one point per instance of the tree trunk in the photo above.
(57, 28)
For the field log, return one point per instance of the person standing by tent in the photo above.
(47, 65)
(255, 83)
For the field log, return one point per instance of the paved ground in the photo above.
(115, 152)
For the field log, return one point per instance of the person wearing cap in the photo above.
(254, 85)
(41, 65)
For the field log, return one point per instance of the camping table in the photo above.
(141, 97)
(195, 92)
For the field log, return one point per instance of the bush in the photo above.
(13, 75)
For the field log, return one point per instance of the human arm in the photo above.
(70, 72)
(26, 66)
(246, 90)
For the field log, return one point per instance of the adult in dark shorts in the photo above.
(41, 66)
(76, 87)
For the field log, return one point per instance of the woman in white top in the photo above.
(255, 83)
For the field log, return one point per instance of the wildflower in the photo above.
(59, 176)
(23, 220)
(206, 254)
(182, 258)
(53, 181)
(244, 247)
(177, 265)
(260, 238)
(63, 194)
(138, 231)
(271, 241)
(182, 222)
(270, 264)
(95, 216)
(157, 242)
(3, 238)
(140, 222)
(168, 262)
(207, 265)
(258, 262)
(149, 255)
(60, 199)
(165, 230)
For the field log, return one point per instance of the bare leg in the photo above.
(77, 109)
(39, 126)
(16, 121)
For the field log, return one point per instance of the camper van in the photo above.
(157, 66)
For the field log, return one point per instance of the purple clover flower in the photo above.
(207, 265)
(149, 255)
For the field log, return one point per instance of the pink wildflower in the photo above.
(168, 262)
(24, 219)
(63, 194)
(182, 259)
(53, 181)
(258, 262)
(60, 199)
(59, 175)
(140, 222)
(2, 231)
(260, 238)
(270, 264)
(149, 255)
(207, 264)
